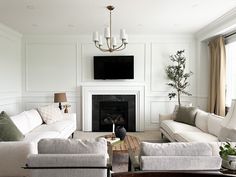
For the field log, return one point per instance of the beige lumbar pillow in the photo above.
(50, 114)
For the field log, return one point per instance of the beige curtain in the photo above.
(216, 102)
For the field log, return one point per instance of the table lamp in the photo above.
(59, 98)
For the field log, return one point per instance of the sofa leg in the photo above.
(72, 135)
(162, 136)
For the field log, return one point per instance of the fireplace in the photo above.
(107, 109)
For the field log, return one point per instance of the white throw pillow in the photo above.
(35, 119)
(22, 122)
(214, 124)
(50, 114)
(201, 120)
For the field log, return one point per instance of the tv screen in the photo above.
(113, 67)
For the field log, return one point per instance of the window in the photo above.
(230, 72)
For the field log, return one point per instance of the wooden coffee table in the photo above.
(130, 143)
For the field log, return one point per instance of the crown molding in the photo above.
(219, 26)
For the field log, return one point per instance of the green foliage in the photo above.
(226, 149)
(177, 76)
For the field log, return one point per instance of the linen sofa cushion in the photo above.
(8, 130)
(186, 115)
(34, 117)
(50, 114)
(27, 120)
(68, 146)
(175, 149)
(58, 126)
(172, 127)
(201, 120)
(22, 122)
(195, 137)
(227, 134)
(35, 137)
(214, 124)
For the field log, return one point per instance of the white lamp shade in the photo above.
(113, 41)
(95, 36)
(100, 40)
(107, 32)
(122, 34)
(126, 39)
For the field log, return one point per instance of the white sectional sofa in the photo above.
(207, 128)
(14, 153)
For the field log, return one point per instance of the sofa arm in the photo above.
(69, 116)
(165, 117)
(66, 160)
(13, 157)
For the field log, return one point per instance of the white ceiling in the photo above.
(86, 16)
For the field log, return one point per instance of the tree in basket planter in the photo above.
(177, 76)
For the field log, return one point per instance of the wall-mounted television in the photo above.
(113, 67)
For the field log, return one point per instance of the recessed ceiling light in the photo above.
(30, 7)
(71, 26)
(34, 25)
(176, 24)
(195, 5)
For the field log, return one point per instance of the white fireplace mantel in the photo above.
(89, 91)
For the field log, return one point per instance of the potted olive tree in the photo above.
(178, 78)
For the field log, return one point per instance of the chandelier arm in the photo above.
(110, 32)
(117, 48)
(104, 50)
(107, 39)
(121, 48)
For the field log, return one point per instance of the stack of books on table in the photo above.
(112, 140)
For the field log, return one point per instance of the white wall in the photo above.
(65, 63)
(10, 72)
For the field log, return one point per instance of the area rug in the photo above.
(120, 162)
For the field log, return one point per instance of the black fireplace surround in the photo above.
(119, 108)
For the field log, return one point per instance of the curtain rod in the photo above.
(226, 36)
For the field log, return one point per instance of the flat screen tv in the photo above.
(113, 67)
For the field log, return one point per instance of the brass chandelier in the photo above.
(110, 40)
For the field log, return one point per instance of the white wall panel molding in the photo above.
(160, 53)
(88, 50)
(54, 61)
(38, 89)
